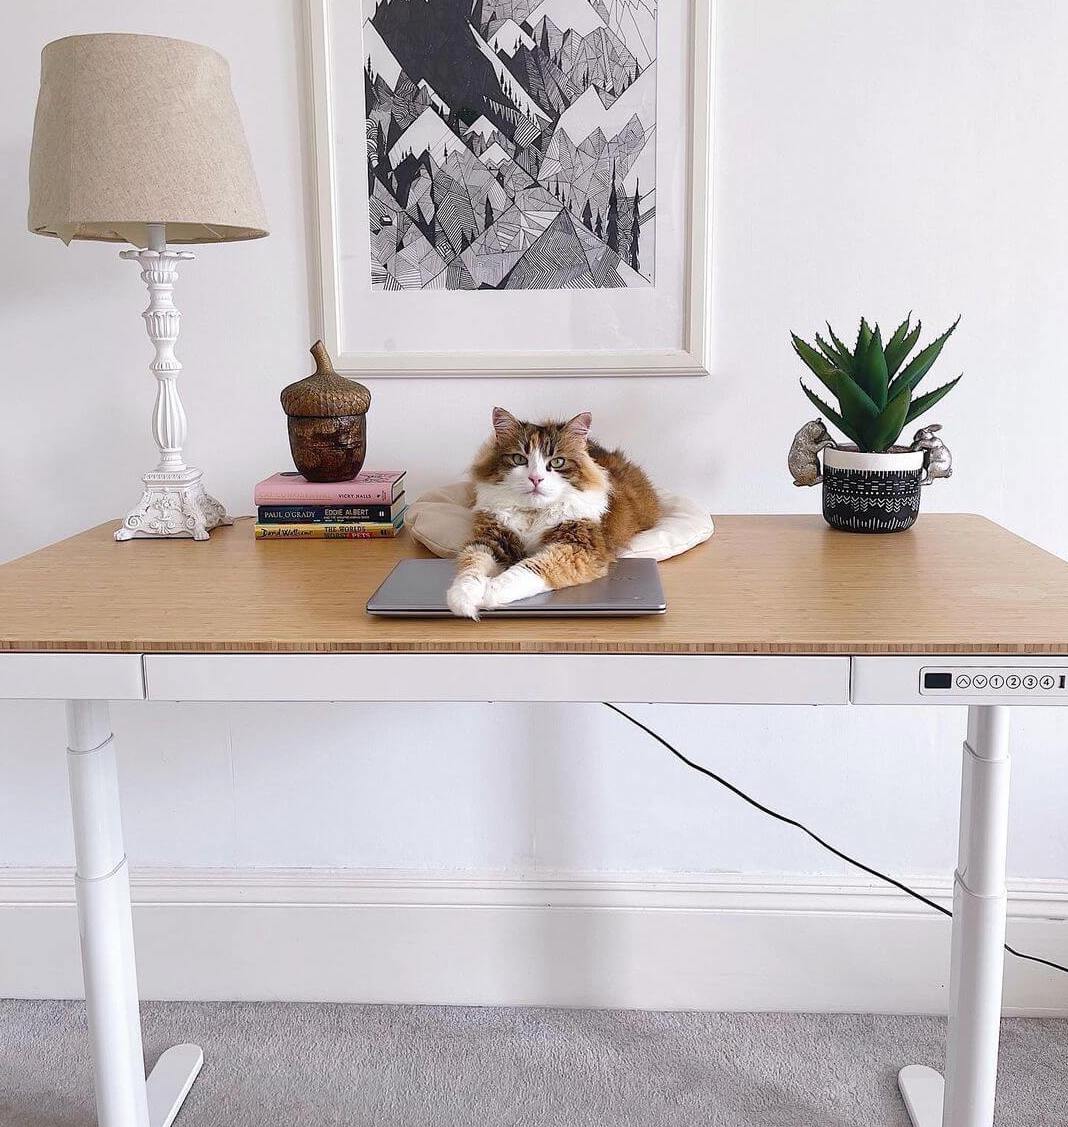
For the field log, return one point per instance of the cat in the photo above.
(552, 509)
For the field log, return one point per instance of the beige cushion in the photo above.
(441, 520)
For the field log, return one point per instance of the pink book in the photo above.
(372, 487)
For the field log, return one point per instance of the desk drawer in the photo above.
(659, 678)
(71, 676)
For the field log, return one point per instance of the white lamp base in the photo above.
(173, 504)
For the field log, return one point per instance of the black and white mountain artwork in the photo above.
(511, 144)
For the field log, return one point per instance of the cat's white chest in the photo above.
(532, 525)
(529, 526)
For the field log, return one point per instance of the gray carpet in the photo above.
(277, 1065)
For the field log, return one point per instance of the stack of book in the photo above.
(368, 507)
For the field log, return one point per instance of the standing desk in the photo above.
(773, 610)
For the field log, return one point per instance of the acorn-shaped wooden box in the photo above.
(327, 422)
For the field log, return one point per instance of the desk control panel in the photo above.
(1001, 681)
(949, 679)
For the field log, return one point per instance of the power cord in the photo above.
(815, 837)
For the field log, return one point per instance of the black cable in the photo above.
(815, 837)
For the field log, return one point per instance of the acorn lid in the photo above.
(325, 394)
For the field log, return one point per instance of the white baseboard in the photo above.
(710, 943)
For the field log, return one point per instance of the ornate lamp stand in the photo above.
(174, 502)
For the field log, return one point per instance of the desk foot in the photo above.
(169, 1082)
(922, 1089)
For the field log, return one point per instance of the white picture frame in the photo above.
(690, 358)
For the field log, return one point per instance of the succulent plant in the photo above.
(872, 383)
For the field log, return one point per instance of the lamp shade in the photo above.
(137, 129)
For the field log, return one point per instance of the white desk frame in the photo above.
(88, 682)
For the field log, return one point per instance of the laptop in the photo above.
(416, 589)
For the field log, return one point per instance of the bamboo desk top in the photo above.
(762, 584)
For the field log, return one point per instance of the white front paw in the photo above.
(465, 595)
(516, 583)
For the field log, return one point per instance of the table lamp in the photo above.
(137, 139)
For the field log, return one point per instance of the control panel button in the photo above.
(1047, 682)
(1013, 681)
(979, 681)
(964, 681)
(997, 681)
(1030, 681)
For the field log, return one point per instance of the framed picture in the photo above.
(513, 187)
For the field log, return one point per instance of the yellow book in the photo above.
(361, 530)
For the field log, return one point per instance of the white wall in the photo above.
(870, 158)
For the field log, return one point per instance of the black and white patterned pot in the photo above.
(871, 492)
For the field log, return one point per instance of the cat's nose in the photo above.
(535, 479)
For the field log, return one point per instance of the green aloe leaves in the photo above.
(873, 382)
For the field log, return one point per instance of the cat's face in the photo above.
(535, 465)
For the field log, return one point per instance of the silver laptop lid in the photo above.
(417, 588)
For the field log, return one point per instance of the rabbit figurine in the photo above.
(937, 460)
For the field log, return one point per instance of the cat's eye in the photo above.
(517, 459)
(557, 463)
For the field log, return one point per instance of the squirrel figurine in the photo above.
(803, 459)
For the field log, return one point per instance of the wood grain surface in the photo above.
(762, 584)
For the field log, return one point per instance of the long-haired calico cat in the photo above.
(552, 509)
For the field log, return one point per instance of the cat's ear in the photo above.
(505, 424)
(580, 425)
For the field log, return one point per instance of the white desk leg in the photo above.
(979, 904)
(102, 885)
